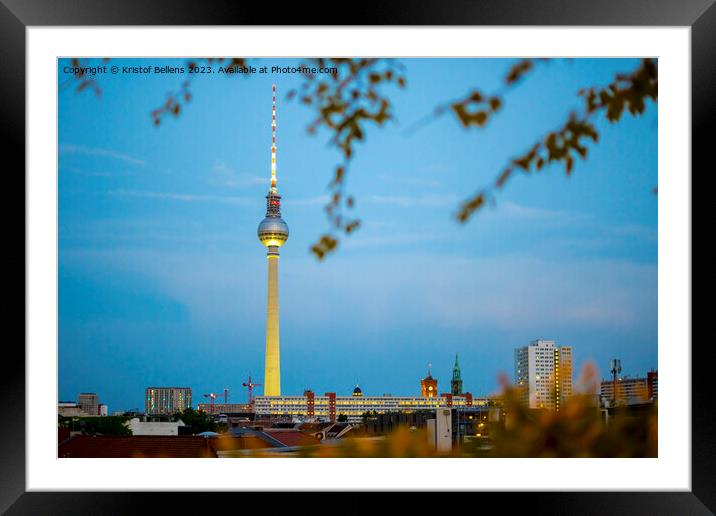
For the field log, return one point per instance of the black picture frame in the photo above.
(700, 15)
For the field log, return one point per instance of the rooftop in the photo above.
(135, 446)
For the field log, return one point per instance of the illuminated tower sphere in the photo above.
(273, 233)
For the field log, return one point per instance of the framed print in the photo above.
(444, 248)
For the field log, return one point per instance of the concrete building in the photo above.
(273, 233)
(440, 430)
(629, 391)
(154, 427)
(329, 407)
(385, 423)
(89, 403)
(69, 409)
(543, 374)
(225, 408)
(166, 400)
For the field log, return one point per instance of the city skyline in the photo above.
(161, 281)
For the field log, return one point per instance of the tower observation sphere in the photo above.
(273, 231)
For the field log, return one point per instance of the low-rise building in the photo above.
(225, 408)
(329, 407)
(69, 409)
(629, 391)
(154, 427)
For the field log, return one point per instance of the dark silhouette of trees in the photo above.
(198, 420)
(104, 425)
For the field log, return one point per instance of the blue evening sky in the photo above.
(162, 280)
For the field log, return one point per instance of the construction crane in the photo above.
(251, 386)
(212, 397)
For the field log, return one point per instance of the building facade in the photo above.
(69, 409)
(629, 391)
(543, 374)
(429, 386)
(224, 408)
(166, 400)
(154, 428)
(89, 403)
(329, 406)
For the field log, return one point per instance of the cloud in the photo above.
(516, 210)
(172, 196)
(401, 291)
(408, 201)
(319, 200)
(145, 231)
(215, 288)
(415, 181)
(505, 293)
(80, 172)
(223, 175)
(646, 233)
(94, 151)
(398, 240)
(514, 292)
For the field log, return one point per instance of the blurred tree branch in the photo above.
(345, 103)
(352, 98)
(627, 91)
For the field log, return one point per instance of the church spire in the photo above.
(456, 382)
(456, 370)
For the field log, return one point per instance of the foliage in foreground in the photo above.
(576, 430)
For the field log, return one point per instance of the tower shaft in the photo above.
(272, 373)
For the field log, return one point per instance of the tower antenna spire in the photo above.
(273, 140)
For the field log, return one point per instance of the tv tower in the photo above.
(273, 233)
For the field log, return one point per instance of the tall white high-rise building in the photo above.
(543, 374)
